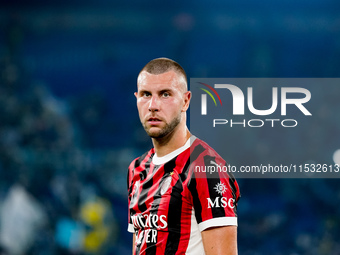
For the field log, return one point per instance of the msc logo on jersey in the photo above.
(220, 188)
(221, 201)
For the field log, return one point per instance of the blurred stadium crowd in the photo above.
(53, 199)
(56, 196)
(63, 193)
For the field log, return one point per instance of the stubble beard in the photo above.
(167, 129)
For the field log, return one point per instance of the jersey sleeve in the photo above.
(129, 187)
(214, 192)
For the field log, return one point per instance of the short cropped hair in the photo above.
(163, 65)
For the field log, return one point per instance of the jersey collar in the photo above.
(162, 160)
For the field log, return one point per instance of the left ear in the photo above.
(187, 97)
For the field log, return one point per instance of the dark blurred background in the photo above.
(69, 126)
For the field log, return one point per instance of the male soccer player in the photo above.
(174, 207)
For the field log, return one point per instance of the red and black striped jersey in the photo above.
(175, 197)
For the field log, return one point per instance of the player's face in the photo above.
(161, 101)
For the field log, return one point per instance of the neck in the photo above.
(171, 142)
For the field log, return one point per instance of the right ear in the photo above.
(135, 94)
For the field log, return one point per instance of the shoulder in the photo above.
(138, 165)
(206, 163)
(200, 150)
(137, 162)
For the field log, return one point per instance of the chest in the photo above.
(157, 192)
